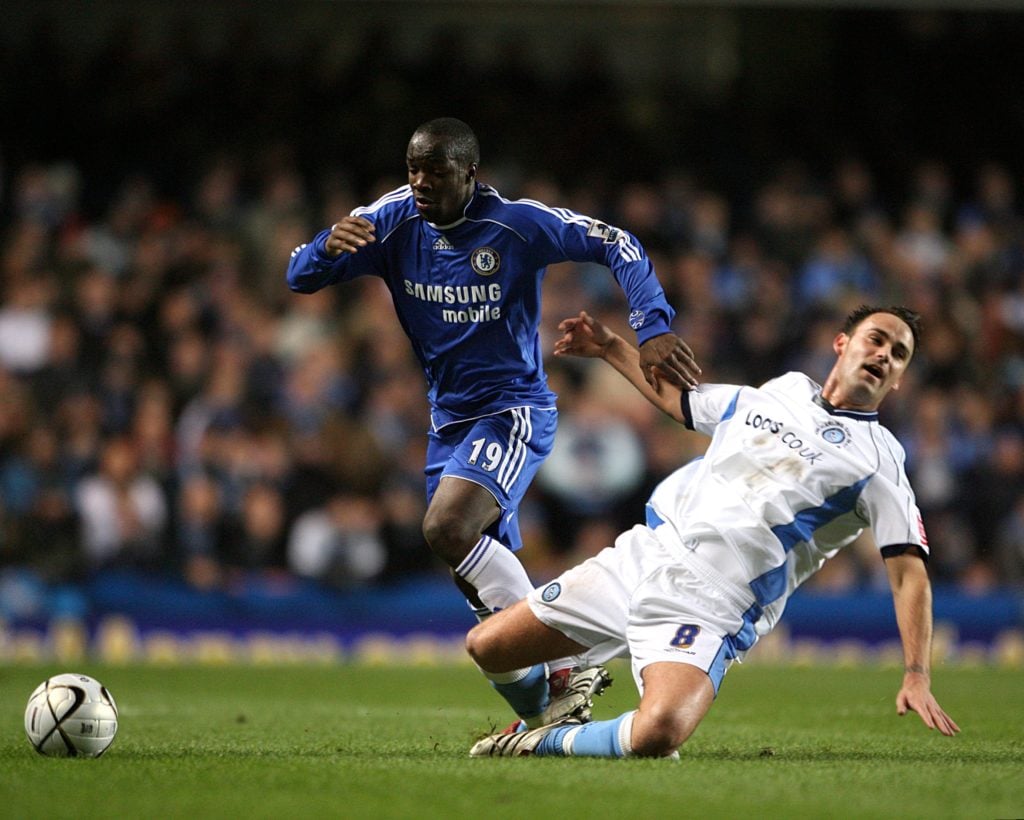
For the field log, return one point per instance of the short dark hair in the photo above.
(911, 317)
(460, 141)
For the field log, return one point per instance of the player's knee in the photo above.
(448, 535)
(476, 647)
(659, 732)
(484, 649)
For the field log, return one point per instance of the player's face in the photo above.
(441, 185)
(872, 360)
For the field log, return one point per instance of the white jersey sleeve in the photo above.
(888, 501)
(707, 405)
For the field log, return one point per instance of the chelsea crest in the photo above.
(485, 261)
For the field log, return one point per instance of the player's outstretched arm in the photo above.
(585, 336)
(912, 597)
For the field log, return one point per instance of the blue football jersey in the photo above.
(468, 294)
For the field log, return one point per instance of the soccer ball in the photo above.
(71, 715)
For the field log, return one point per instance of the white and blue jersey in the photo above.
(468, 294)
(787, 481)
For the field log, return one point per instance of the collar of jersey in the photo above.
(449, 226)
(859, 415)
(458, 221)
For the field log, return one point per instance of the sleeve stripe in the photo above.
(396, 195)
(627, 248)
(893, 550)
(684, 405)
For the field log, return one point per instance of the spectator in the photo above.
(340, 544)
(25, 324)
(1009, 546)
(992, 491)
(402, 506)
(596, 465)
(122, 510)
(834, 272)
(199, 533)
(257, 542)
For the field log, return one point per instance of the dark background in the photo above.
(629, 89)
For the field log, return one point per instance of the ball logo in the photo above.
(636, 319)
(551, 591)
(485, 261)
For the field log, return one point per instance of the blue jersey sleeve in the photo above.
(310, 268)
(581, 238)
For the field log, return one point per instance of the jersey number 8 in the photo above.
(685, 636)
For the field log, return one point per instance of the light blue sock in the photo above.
(527, 695)
(602, 738)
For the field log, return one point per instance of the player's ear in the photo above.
(839, 343)
(471, 170)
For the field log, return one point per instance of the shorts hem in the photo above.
(540, 611)
(503, 504)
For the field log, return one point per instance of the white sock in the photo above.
(495, 573)
(625, 736)
(514, 676)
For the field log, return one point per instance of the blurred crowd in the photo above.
(167, 404)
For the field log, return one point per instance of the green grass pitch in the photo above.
(352, 741)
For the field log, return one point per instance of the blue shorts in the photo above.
(501, 453)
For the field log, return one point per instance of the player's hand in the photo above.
(915, 695)
(584, 336)
(349, 235)
(670, 357)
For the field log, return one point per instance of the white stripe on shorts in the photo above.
(515, 451)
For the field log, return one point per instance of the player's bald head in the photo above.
(453, 137)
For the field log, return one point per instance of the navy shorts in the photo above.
(501, 453)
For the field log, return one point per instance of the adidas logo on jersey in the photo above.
(442, 244)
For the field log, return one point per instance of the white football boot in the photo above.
(516, 744)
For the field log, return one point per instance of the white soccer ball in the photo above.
(71, 715)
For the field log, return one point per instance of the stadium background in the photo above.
(196, 463)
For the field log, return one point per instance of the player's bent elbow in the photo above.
(297, 283)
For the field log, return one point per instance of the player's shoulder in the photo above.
(524, 213)
(794, 378)
(793, 384)
(389, 210)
